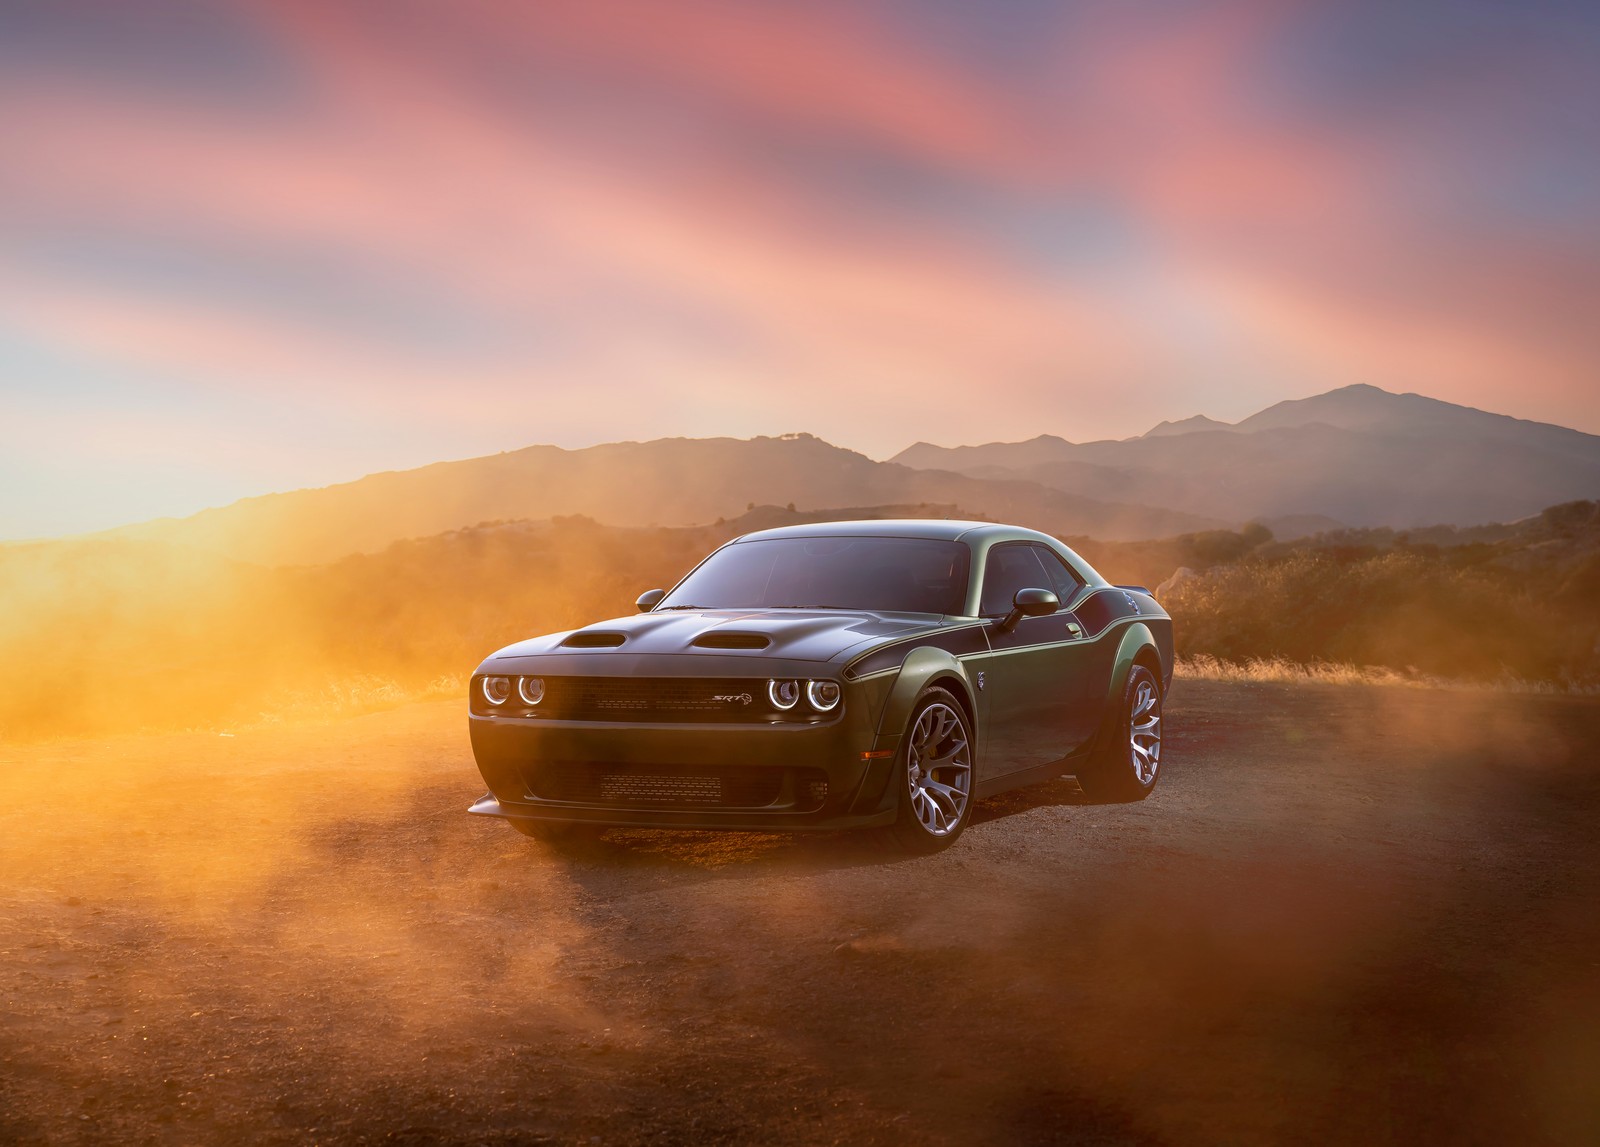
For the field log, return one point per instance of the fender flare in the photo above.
(922, 665)
(1135, 640)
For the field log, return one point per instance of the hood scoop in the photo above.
(721, 639)
(593, 639)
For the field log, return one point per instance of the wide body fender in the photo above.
(1136, 639)
(922, 667)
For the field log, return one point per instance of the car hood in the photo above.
(795, 634)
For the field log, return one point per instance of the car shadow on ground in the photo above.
(704, 853)
(1061, 791)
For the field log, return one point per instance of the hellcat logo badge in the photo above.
(730, 698)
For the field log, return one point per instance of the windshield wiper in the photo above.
(820, 605)
(670, 608)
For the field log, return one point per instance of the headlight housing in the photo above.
(823, 696)
(784, 695)
(530, 689)
(496, 690)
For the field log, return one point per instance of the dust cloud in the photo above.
(1349, 913)
(116, 635)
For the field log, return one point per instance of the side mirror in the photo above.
(649, 599)
(1030, 603)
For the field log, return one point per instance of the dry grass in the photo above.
(1204, 667)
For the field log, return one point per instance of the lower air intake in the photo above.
(655, 786)
(626, 789)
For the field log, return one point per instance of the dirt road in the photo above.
(1349, 914)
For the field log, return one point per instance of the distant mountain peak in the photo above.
(1192, 425)
(1361, 388)
(927, 456)
(1364, 407)
(1359, 406)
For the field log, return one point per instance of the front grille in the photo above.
(647, 786)
(700, 699)
(625, 788)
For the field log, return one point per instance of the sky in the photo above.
(248, 247)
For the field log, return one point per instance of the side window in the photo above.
(1008, 569)
(1063, 579)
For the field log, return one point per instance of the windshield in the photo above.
(910, 575)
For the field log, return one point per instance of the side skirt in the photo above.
(989, 786)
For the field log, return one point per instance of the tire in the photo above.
(934, 774)
(1126, 765)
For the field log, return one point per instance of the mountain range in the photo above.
(1358, 456)
(668, 482)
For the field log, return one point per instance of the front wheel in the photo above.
(1127, 764)
(934, 774)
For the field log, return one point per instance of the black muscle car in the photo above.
(837, 675)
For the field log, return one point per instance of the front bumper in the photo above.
(489, 805)
(683, 775)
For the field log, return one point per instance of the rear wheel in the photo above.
(1127, 764)
(934, 774)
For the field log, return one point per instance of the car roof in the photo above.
(935, 529)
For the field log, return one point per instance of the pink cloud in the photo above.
(702, 292)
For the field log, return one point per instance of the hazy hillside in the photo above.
(670, 482)
(1038, 451)
(1518, 601)
(118, 635)
(399, 583)
(1367, 408)
(1359, 455)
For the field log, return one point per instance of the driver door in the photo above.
(1037, 675)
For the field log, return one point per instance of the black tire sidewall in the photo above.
(1108, 775)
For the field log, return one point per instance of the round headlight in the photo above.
(823, 695)
(783, 694)
(496, 690)
(530, 689)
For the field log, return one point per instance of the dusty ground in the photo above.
(1348, 914)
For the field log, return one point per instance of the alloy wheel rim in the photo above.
(939, 769)
(1144, 732)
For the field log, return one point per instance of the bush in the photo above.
(1409, 610)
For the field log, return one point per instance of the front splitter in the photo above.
(741, 820)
